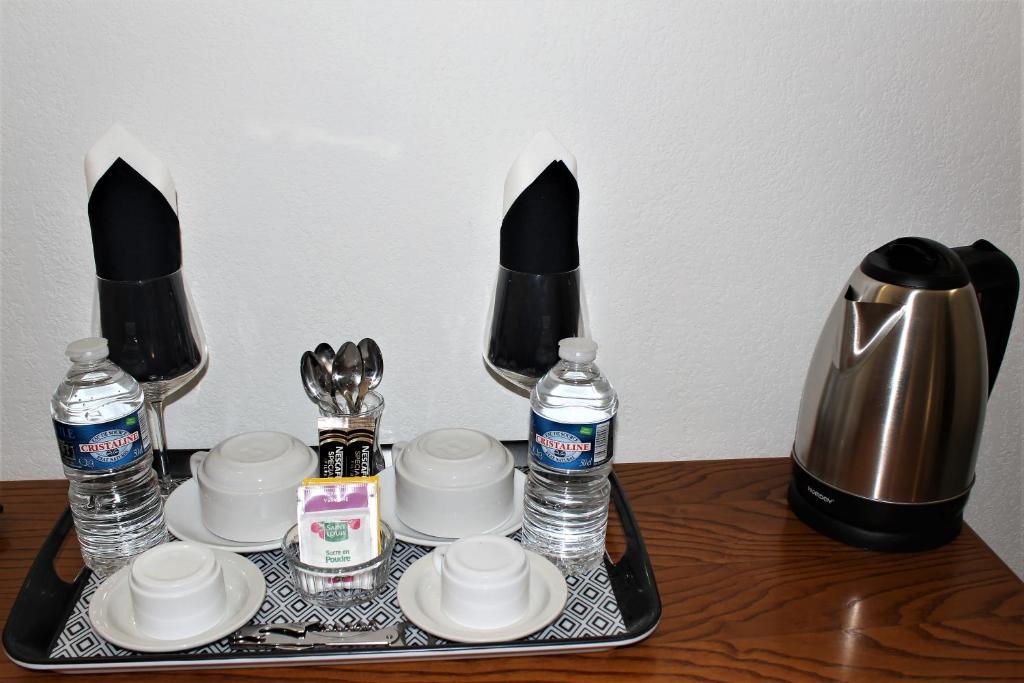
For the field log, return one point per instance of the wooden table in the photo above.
(748, 593)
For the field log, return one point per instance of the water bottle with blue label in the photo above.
(100, 423)
(572, 421)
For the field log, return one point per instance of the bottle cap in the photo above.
(88, 349)
(577, 350)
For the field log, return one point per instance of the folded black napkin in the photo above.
(538, 232)
(538, 295)
(136, 242)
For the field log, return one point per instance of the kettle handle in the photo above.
(996, 282)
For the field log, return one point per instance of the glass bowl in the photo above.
(339, 586)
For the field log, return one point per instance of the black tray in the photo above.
(45, 603)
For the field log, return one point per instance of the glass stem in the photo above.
(158, 434)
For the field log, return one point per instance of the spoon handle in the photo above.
(350, 404)
(364, 386)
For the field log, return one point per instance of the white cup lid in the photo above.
(171, 568)
(483, 558)
(257, 461)
(454, 458)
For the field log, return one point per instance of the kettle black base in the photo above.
(873, 524)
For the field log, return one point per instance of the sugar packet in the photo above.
(339, 521)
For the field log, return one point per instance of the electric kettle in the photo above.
(893, 404)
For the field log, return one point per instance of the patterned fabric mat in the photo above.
(591, 610)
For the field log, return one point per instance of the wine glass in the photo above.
(155, 336)
(529, 314)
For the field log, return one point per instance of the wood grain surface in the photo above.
(749, 594)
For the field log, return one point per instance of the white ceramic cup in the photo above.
(485, 581)
(247, 484)
(177, 590)
(452, 483)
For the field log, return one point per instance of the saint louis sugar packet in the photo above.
(339, 521)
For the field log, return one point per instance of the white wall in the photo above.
(340, 169)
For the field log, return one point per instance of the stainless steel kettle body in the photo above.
(894, 401)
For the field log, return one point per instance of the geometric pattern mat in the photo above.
(590, 612)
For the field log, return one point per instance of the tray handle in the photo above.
(632, 577)
(43, 602)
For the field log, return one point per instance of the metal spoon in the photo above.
(347, 373)
(316, 382)
(373, 368)
(325, 354)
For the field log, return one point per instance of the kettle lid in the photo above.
(916, 262)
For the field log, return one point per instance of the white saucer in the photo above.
(184, 520)
(110, 610)
(419, 596)
(404, 532)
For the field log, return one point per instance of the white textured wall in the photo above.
(340, 169)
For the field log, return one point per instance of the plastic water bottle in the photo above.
(101, 428)
(571, 424)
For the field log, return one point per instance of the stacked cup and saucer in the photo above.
(458, 491)
(241, 497)
(450, 483)
(482, 589)
(177, 596)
